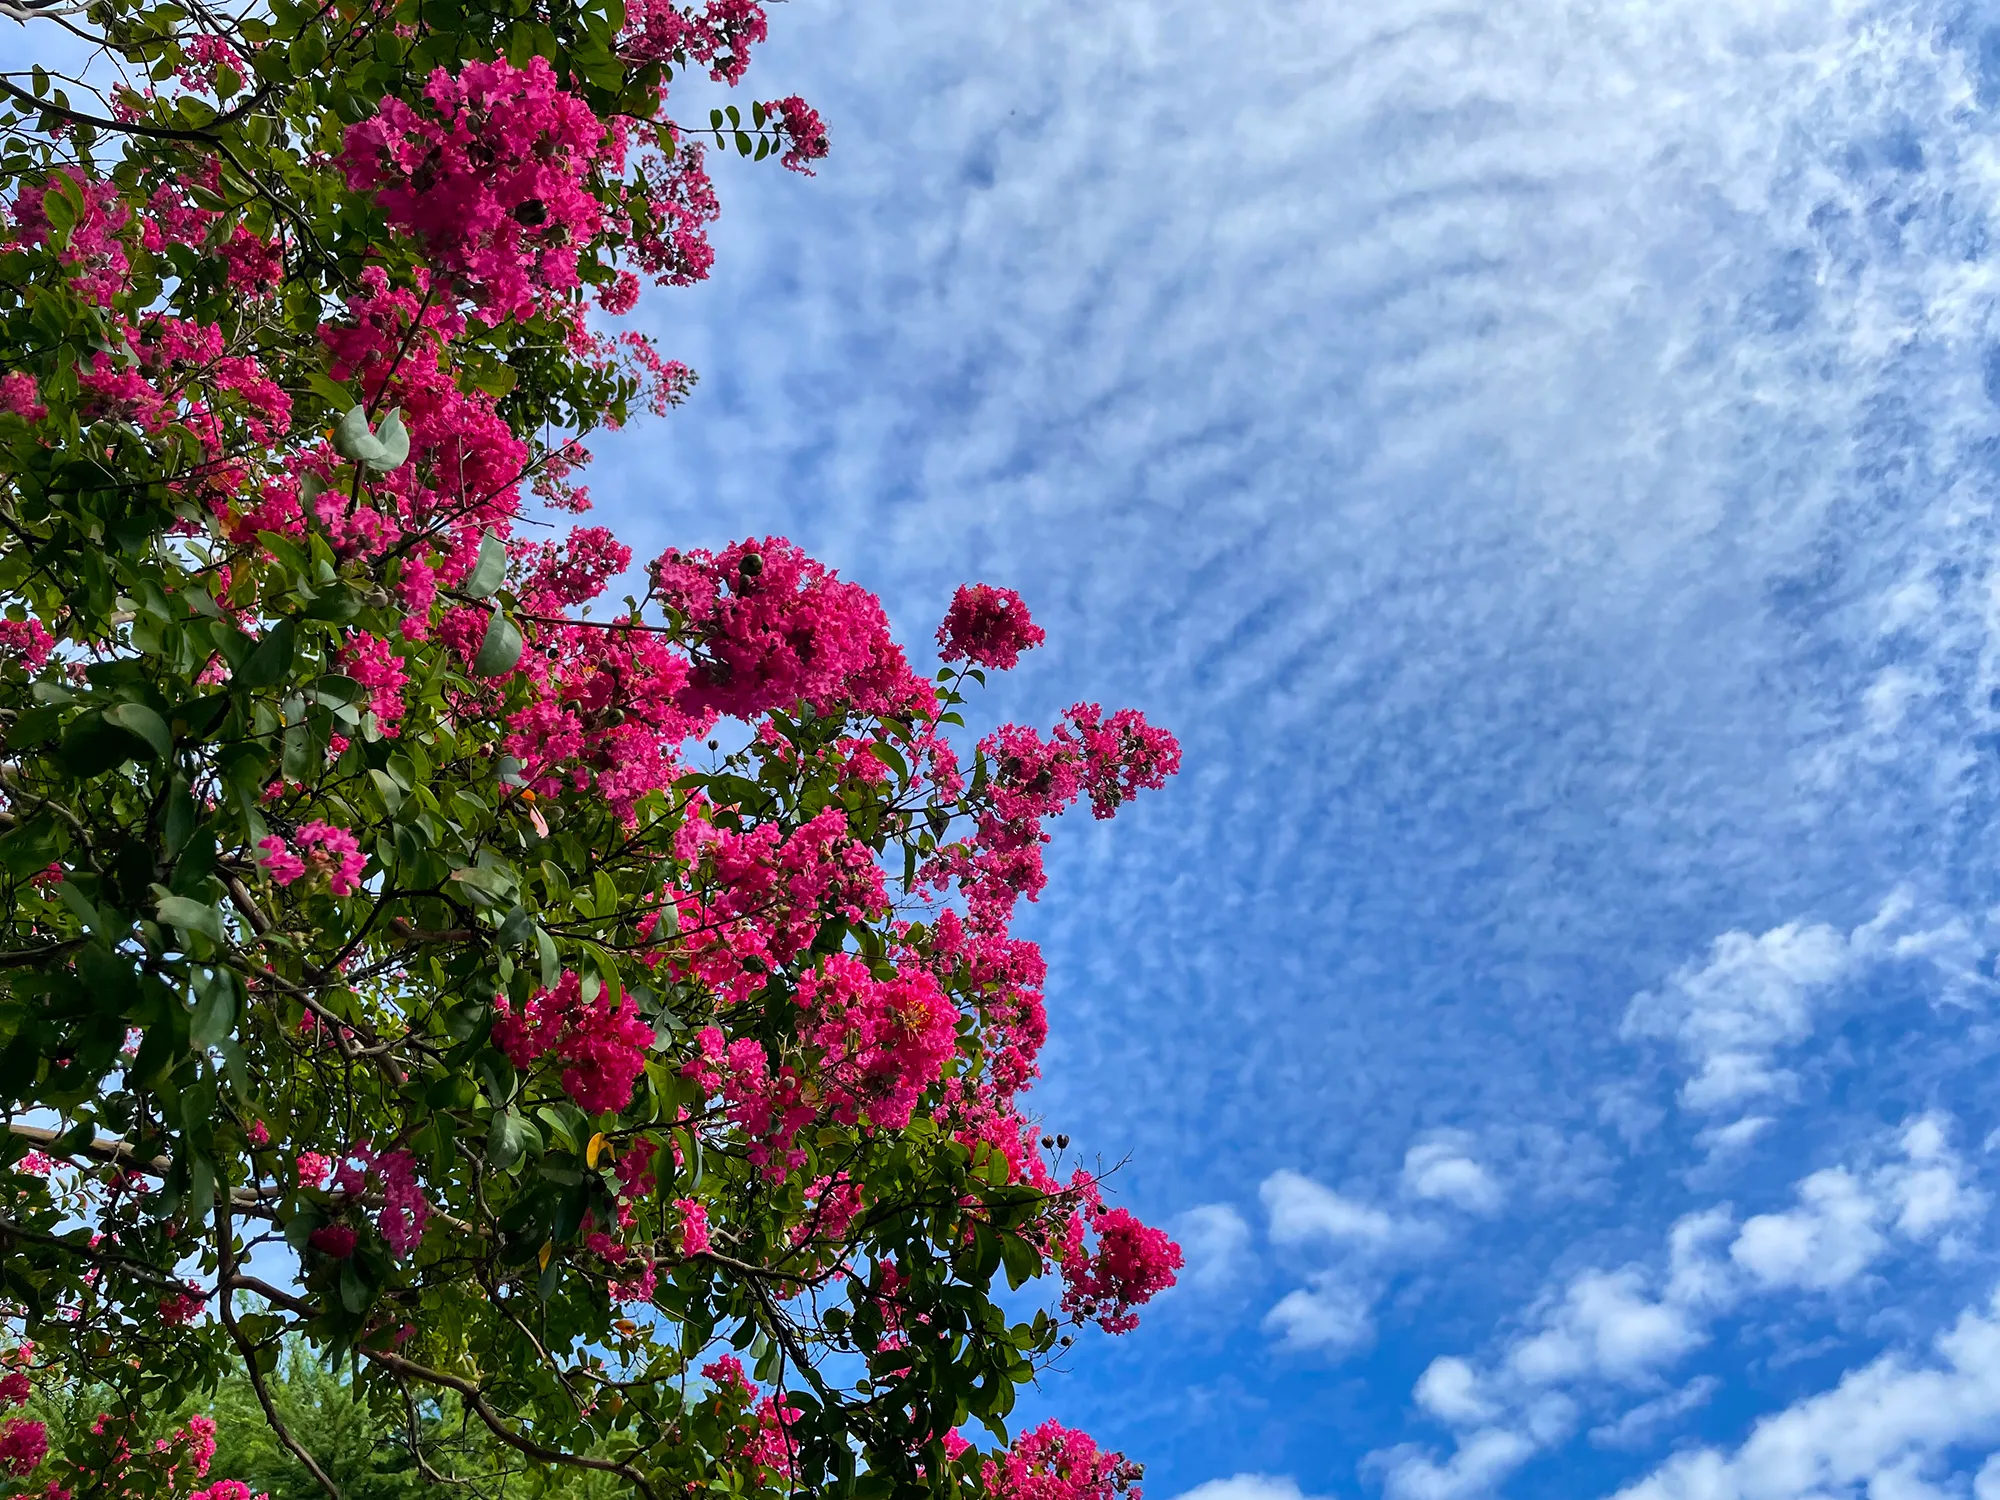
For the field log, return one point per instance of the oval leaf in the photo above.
(192, 916)
(500, 649)
(352, 439)
(489, 570)
(394, 441)
(137, 719)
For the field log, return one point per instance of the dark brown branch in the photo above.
(470, 1393)
(24, 958)
(132, 127)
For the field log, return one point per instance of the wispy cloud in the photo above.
(1887, 1429)
(1443, 1168)
(1732, 1015)
(1643, 1422)
(1247, 1487)
(1302, 1212)
(1215, 1241)
(1606, 1335)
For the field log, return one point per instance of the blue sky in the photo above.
(1541, 457)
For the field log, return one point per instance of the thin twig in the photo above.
(225, 1244)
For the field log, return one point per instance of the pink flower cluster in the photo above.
(694, 1226)
(405, 1210)
(803, 130)
(20, 395)
(759, 1421)
(335, 1240)
(671, 203)
(1054, 1462)
(777, 629)
(602, 1042)
(374, 663)
(769, 1108)
(93, 251)
(26, 642)
(988, 627)
(882, 1042)
(23, 1442)
(755, 897)
(319, 848)
(206, 58)
(1132, 1264)
(494, 179)
(1110, 760)
(719, 36)
(183, 1308)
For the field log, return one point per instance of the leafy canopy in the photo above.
(598, 1021)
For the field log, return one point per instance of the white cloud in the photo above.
(1329, 1314)
(1738, 1135)
(1449, 1390)
(1442, 1168)
(1884, 1429)
(1929, 1191)
(1828, 1240)
(1215, 1241)
(1482, 1460)
(1302, 1211)
(1732, 1014)
(1841, 1224)
(1607, 1333)
(1639, 1425)
(1247, 1487)
(1607, 1327)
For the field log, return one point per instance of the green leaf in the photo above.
(353, 441)
(201, 1189)
(268, 664)
(1023, 1262)
(92, 745)
(394, 441)
(191, 916)
(81, 906)
(545, 949)
(500, 649)
(299, 1227)
(336, 395)
(215, 1013)
(386, 788)
(507, 1140)
(337, 606)
(489, 570)
(137, 719)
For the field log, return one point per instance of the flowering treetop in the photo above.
(375, 888)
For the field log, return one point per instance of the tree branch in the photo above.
(225, 1245)
(470, 1393)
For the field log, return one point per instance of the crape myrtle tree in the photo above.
(599, 1019)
